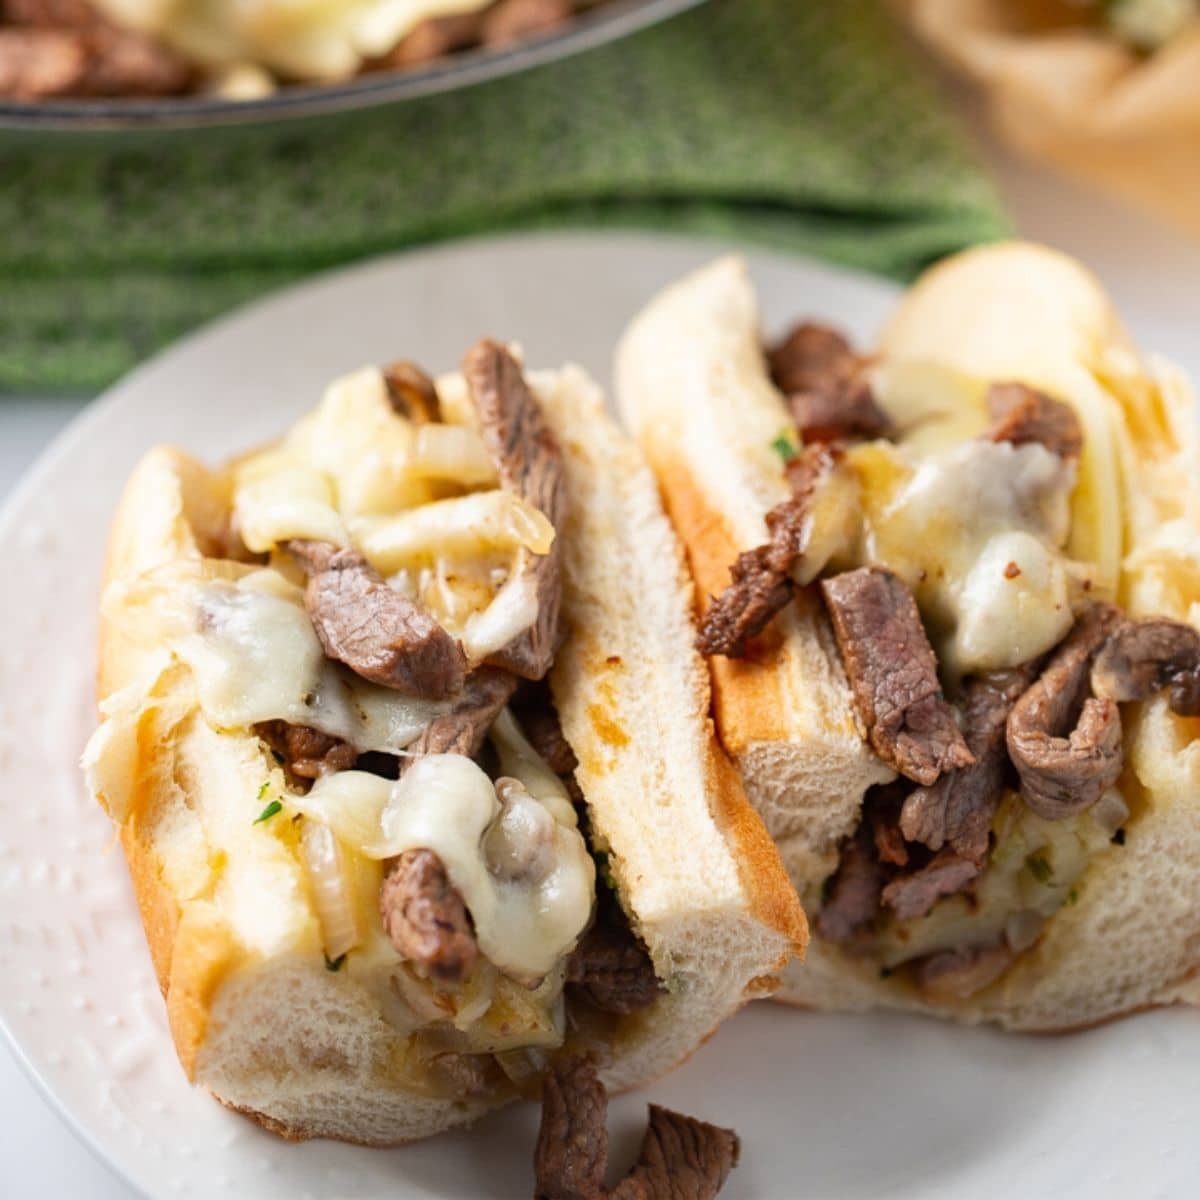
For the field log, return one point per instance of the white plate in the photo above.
(838, 1107)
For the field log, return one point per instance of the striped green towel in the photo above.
(801, 124)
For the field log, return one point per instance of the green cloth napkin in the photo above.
(799, 124)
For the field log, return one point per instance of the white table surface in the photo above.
(1154, 277)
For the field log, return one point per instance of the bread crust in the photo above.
(173, 510)
(1004, 312)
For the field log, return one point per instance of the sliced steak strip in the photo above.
(681, 1158)
(826, 386)
(951, 976)
(305, 753)
(893, 674)
(1143, 657)
(412, 393)
(511, 20)
(762, 578)
(914, 893)
(529, 463)
(463, 728)
(434, 38)
(854, 890)
(958, 809)
(610, 968)
(1064, 742)
(425, 918)
(1021, 414)
(378, 633)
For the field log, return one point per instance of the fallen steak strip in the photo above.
(681, 1158)
(893, 674)
(1021, 415)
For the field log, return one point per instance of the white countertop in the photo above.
(1154, 277)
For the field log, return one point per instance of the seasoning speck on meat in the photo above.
(425, 918)
(762, 582)
(827, 386)
(1021, 414)
(1064, 742)
(680, 1159)
(529, 464)
(893, 674)
(1143, 657)
(378, 633)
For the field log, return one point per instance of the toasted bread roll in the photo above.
(1035, 474)
(250, 777)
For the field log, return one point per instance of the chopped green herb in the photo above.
(268, 812)
(784, 447)
(1073, 896)
(262, 791)
(1039, 868)
(334, 964)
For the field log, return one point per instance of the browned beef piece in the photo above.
(893, 674)
(958, 809)
(808, 355)
(306, 753)
(413, 393)
(124, 63)
(762, 578)
(854, 890)
(826, 386)
(463, 728)
(611, 968)
(529, 463)
(1064, 742)
(571, 1156)
(436, 37)
(511, 20)
(377, 632)
(39, 63)
(954, 975)
(425, 917)
(914, 893)
(534, 709)
(681, 1158)
(55, 14)
(1143, 657)
(1021, 414)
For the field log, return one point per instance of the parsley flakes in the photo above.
(784, 447)
(268, 812)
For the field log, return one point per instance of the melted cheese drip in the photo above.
(525, 923)
(976, 531)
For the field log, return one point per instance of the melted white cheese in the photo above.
(976, 531)
(255, 657)
(525, 922)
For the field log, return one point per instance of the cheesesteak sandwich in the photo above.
(953, 590)
(407, 745)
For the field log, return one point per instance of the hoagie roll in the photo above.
(950, 592)
(408, 749)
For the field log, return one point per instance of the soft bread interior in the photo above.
(1007, 312)
(256, 1016)
(692, 386)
